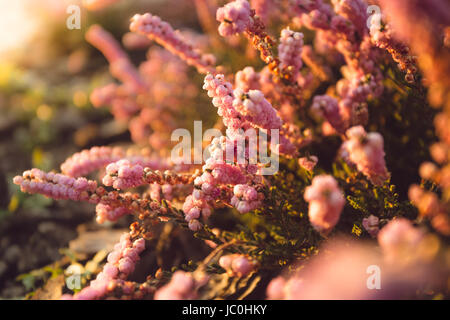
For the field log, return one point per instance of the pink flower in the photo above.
(256, 109)
(290, 51)
(242, 266)
(221, 93)
(308, 163)
(426, 201)
(181, 287)
(275, 289)
(120, 66)
(55, 185)
(326, 202)
(155, 29)
(237, 265)
(328, 108)
(371, 225)
(121, 262)
(353, 10)
(246, 198)
(366, 151)
(340, 272)
(108, 213)
(123, 174)
(234, 17)
(195, 225)
(247, 79)
(398, 240)
(126, 265)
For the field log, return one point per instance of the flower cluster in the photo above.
(290, 51)
(180, 287)
(123, 175)
(327, 108)
(121, 262)
(146, 105)
(256, 109)
(366, 151)
(247, 79)
(246, 198)
(89, 160)
(383, 38)
(241, 110)
(371, 224)
(55, 185)
(396, 236)
(237, 265)
(106, 212)
(326, 202)
(160, 31)
(234, 17)
(120, 66)
(308, 163)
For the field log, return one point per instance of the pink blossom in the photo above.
(247, 79)
(221, 93)
(366, 151)
(275, 289)
(120, 66)
(313, 14)
(263, 8)
(55, 185)
(426, 201)
(308, 163)
(399, 239)
(290, 51)
(237, 265)
(123, 174)
(87, 161)
(121, 262)
(353, 10)
(371, 225)
(256, 109)
(246, 198)
(107, 213)
(328, 108)
(326, 202)
(234, 17)
(160, 31)
(181, 287)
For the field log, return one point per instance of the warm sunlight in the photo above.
(17, 24)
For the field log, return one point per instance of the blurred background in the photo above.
(46, 75)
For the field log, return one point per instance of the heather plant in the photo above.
(355, 111)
